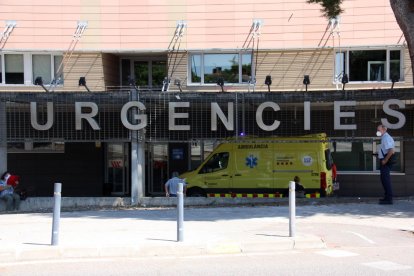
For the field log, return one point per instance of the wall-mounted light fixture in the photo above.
(268, 82)
(165, 84)
(177, 82)
(82, 82)
(306, 81)
(394, 79)
(344, 81)
(131, 81)
(220, 82)
(39, 81)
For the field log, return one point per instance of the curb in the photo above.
(25, 253)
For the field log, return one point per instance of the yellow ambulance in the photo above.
(265, 166)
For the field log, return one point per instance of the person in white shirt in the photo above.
(171, 187)
(385, 153)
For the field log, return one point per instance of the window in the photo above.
(41, 68)
(329, 161)
(234, 68)
(141, 73)
(395, 63)
(398, 165)
(147, 73)
(47, 66)
(368, 65)
(340, 66)
(36, 147)
(1, 71)
(58, 69)
(14, 69)
(216, 162)
(196, 68)
(357, 156)
(159, 72)
(200, 150)
(125, 71)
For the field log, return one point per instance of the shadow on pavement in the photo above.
(402, 208)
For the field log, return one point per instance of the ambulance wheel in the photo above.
(196, 192)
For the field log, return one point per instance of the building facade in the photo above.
(69, 69)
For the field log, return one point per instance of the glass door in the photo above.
(157, 169)
(116, 171)
(141, 71)
(149, 74)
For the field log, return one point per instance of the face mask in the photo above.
(379, 133)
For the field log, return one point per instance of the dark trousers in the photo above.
(386, 181)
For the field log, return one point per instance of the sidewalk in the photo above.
(145, 232)
(149, 232)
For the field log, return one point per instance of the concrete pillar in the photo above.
(137, 171)
(134, 172)
(137, 160)
(141, 169)
(3, 137)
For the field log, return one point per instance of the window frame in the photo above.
(37, 147)
(28, 78)
(338, 75)
(202, 73)
(3, 59)
(149, 60)
(374, 142)
(205, 169)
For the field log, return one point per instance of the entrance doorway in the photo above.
(164, 158)
(148, 72)
(156, 169)
(116, 169)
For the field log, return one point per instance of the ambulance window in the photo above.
(217, 162)
(328, 158)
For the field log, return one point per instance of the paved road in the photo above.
(342, 239)
(329, 261)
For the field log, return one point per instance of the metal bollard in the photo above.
(180, 212)
(56, 213)
(292, 209)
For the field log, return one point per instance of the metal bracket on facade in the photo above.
(80, 29)
(178, 34)
(334, 24)
(253, 38)
(174, 48)
(10, 24)
(254, 33)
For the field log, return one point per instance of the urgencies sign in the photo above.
(139, 120)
